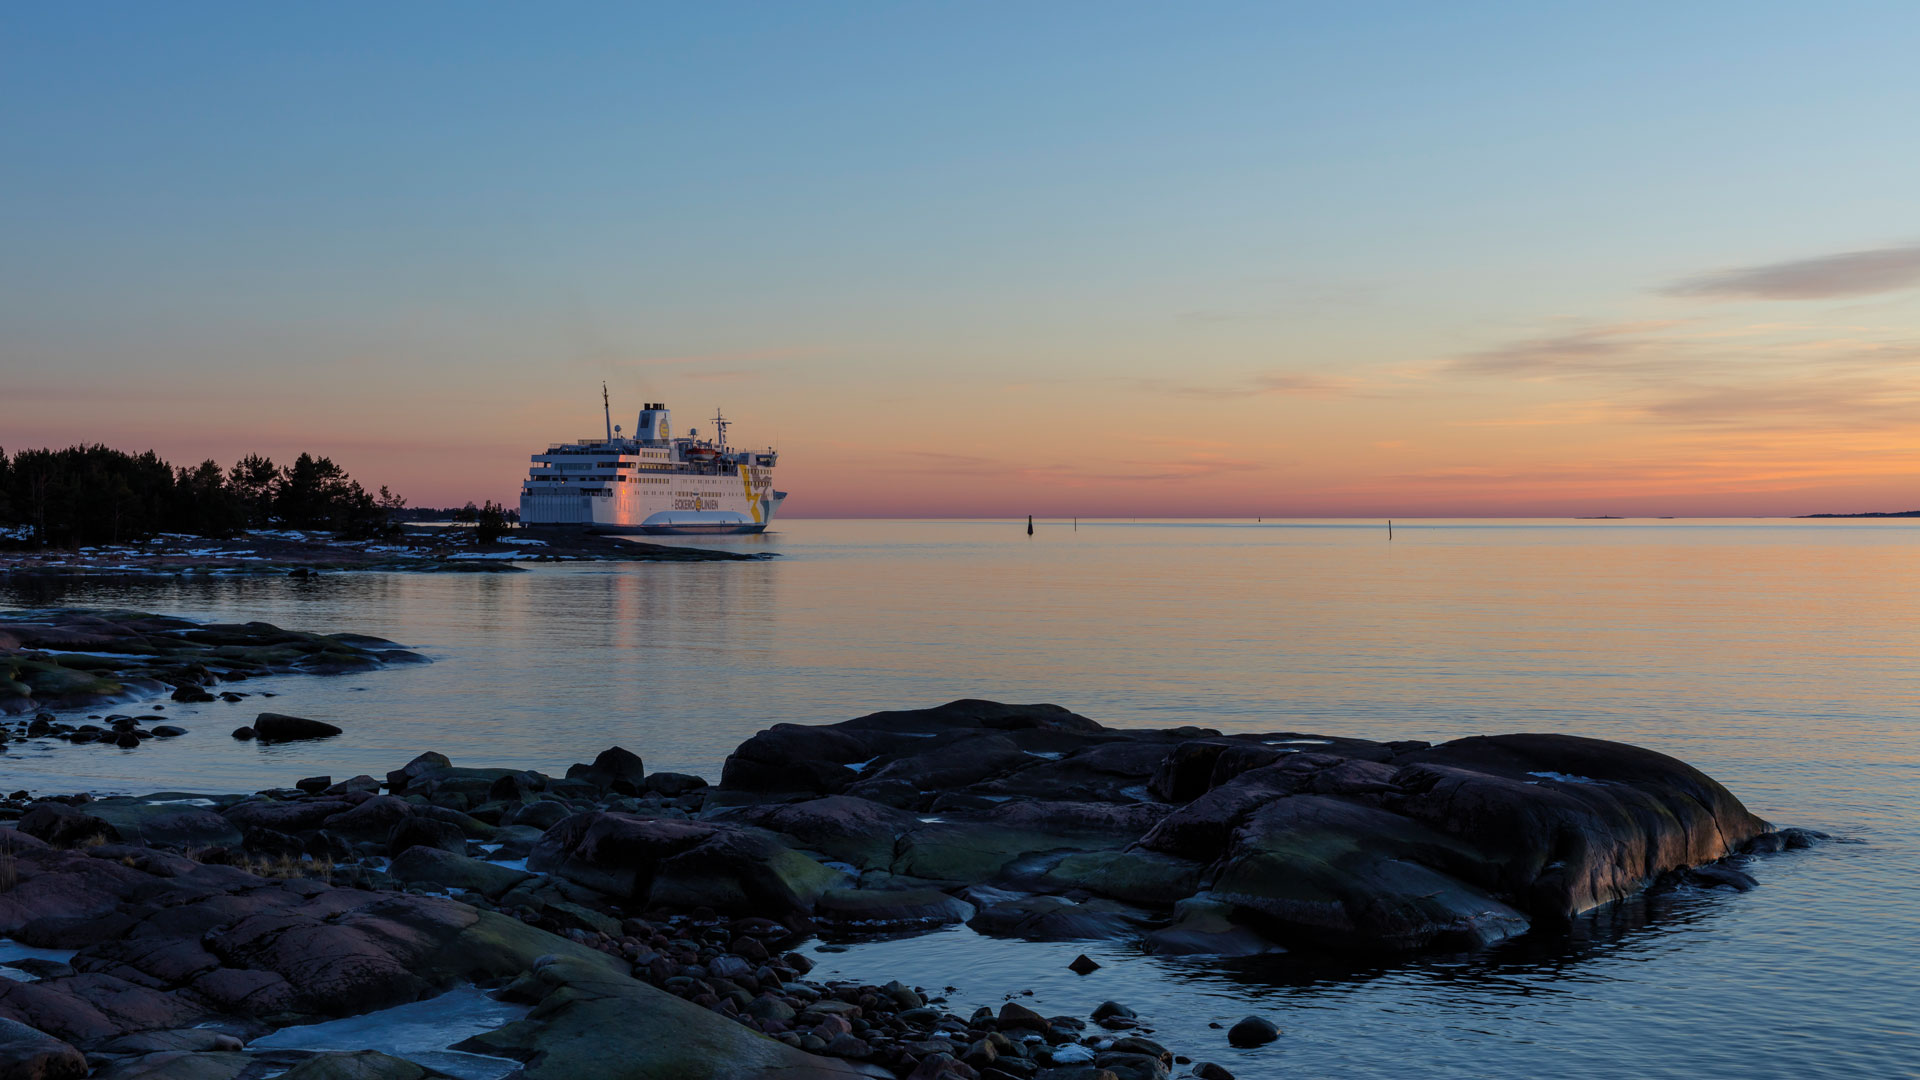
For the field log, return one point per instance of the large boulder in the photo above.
(1564, 824)
(1331, 873)
(616, 768)
(166, 824)
(793, 758)
(430, 761)
(668, 863)
(842, 827)
(284, 815)
(414, 832)
(28, 1053)
(279, 727)
(61, 825)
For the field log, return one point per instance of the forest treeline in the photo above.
(99, 495)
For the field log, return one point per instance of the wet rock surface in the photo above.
(648, 920)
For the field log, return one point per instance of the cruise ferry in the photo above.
(652, 481)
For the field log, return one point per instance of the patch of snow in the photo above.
(522, 540)
(511, 864)
(861, 766)
(933, 821)
(181, 802)
(1298, 742)
(1048, 755)
(496, 555)
(1071, 1055)
(1565, 778)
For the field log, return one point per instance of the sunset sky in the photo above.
(987, 259)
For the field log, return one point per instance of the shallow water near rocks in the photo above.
(1779, 657)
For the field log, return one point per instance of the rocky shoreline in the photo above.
(70, 659)
(648, 921)
(297, 553)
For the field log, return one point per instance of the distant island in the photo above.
(1873, 514)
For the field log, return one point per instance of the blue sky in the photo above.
(425, 232)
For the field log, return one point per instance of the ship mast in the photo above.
(720, 428)
(606, 407)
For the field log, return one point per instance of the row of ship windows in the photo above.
(600, 479)
(576, 466)
(555, 481)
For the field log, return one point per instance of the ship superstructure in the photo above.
(652, 481)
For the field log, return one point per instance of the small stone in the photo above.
(848, 1046)
(1207, 1070)
(243, 733)
(1019, 1016)
(1083, 965)
(1252, 1031)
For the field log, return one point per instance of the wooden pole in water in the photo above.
(1029, 524)
(1389, 528)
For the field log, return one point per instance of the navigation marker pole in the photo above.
(1389, 529)
(1029, 524)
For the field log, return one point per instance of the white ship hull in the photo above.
(682, 504)
(651, 483)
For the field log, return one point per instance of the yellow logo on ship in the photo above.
(753, 504)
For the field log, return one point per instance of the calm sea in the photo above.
(1783, 658)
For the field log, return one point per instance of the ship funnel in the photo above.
(653, 425)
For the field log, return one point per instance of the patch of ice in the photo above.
(1298, 742)
(420, 1031)
(1564, 778)
(511, 864)
(522, 540)
(932, 820)
(861, 766)
(477, 555)
(1049, 755)
(845, 868)
(1071, 1054)
(181, 802)
(13, 950)
(102, 655)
